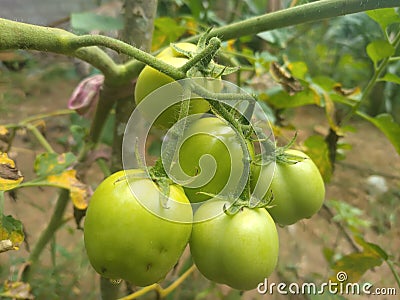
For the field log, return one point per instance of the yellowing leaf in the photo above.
(356, 264)
(330, 113)
(10, 176)
(68, 180)
(52, 163)
(317, 149)
(17, 290)
(11, 233)
(3, 130)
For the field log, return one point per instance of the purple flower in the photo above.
(86, 95)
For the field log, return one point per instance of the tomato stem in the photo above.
(204, 55)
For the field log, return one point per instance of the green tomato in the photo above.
(124, 240)
(170, 51)
(212, 152)
(150, 80)
(298, 189)
(239, 250)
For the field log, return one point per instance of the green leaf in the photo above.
(379, 49)
(90, 21)
(52, 163)
(166, 30)
(280, 99)
(389, 77)
(387, 125)
(318, 151)
(348, 214)
(384, 17)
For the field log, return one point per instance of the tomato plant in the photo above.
(128, 231)
(124, 240)
(239, 250)
(297, 187)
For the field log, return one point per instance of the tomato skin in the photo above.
(298, 189)
(123, 240)
(239, 250)
(150, 79)
(170, 51)
(211, 136)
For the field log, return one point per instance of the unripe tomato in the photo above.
(150, 79)
(216, 143)
(124, 240)
(298, 189)
(170, 51)
(239, 250)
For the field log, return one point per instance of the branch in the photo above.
(310, 12)
(16, 35)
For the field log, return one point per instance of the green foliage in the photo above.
(350, 215)
(388, 126)
(86, 22)
(379, 49)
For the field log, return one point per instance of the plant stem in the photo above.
(17, 35)
(39, 136)
(209, 51)
(1, 208)
(375, 77)
(122, 47)
(310, 12)
(395, 274)
(160, 291)
(55, 222)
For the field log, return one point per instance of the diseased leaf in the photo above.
(387, 125)
(17, 290)
(3, 130)
(284, 78)
(371, 247)
(78, 190)
(317, 149)
(10, 176)
(11, 233)
(356, 264)
(379, 49)
(52, 163)
(330, 111)
(384, 17)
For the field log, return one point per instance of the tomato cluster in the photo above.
(131, 234)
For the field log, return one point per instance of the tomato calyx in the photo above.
(280, 155)
(252, 203)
